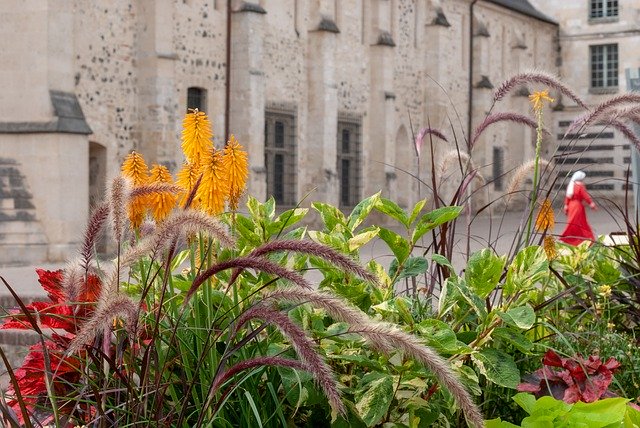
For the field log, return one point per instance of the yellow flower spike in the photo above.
(196, 136)
(234, 161)
(161, 203)
(135, 168)
(214, 187)
(538, 98)
(187, 178)
(545, 219)
(605, 290)
(549, 246)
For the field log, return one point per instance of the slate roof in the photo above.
(524, 7)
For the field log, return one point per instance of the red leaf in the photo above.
(51, 282)
(552, 359)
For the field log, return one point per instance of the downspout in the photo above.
(470, 111)
(227, 70)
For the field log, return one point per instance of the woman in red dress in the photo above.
(578, 228)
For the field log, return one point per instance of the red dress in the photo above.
(578, 228)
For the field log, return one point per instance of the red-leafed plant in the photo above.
(64, 368)
(571, 379)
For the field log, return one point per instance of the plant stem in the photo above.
(536, 172)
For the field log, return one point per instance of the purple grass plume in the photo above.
(96, 223)
(536, 77)
(305, 349)
(151, 188)
(423, 133)
(501, 117)
(120, 189)
(113, 306)
(601, 110)
(624, 130)
(249, 262)
(317, 250)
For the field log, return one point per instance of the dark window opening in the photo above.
(349, 163)
(280, 157)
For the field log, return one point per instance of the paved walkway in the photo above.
(497, 232)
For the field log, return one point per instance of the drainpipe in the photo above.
(227, 89)
(469, 121)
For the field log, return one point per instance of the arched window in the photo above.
(197, 98)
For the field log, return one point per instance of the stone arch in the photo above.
(403, 190)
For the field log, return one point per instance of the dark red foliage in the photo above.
(57, 313)
(571, 379)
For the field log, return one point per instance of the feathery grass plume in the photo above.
(234, 161)
(249, 262)
(632, 113)
(73, 278)
(304, 347)
(536, 77)
(602, 109)
(500, 117)
(110, 307)
(162, 202)
(135, 169)
(626, 131)
(451, 157)
(98, 218)
(214, 187)
(376, 333)
(186, 222)
(251, 363)
(521, 173)
(196, 136)
(423, 133)
(549, 246)
(545, 219)
(187, 178)
(317, 250)
(118, 197)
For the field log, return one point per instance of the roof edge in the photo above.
(525, 8)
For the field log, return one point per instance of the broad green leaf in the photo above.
(327, 239)
(247, 230)
(413, 266)
(359, 360)
(529, 266)
(331, 216)
(476, 302)
(391, 209)
(373, 401)
(362, 238)
(433, 219)
(443, 261)
(498, 367)
(469, 378)
(600, 413)
(397, 244)
(416, 210)
(361, 211)
(403, 310)
(254, 207)
(483, 272)
(521, 317)
(440, 336)
(381, 273)
(526, 401)
(499, 423)
(286, 219)
(514, 338)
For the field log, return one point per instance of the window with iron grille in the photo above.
(604, 66)
(280, 157)
(498, 167)
(197, 98)
(349, 159)
(603, 9)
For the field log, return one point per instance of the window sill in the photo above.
(604, 91)
(604, 20)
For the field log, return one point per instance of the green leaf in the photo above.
(254, 207)
(498, 423)
(373, 401)
(413, 266)
(332, 241)
(498, 367)
(331, 216)
(246, 229)
(397, 244)
(433, 219)
(521, 317)
(440, 336)
(270, 208)
(526, 401)
(362, 238)
(483, 272)
(443, 261)
(361, 211)
(476, 302)
(391, 209)
(416, 210)
(286, 219)
(514, 338)
(600, 413)
(528, 267)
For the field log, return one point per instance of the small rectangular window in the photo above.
(498, 168)
(197, 98)
(603, 9)
(604, 66)
(280, 157)
(349, 162)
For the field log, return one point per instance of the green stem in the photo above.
(536, 168)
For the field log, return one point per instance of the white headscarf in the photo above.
(577, 176)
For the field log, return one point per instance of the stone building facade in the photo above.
(599, 43)
(326, 95)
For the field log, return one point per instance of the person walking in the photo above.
(578, 228)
